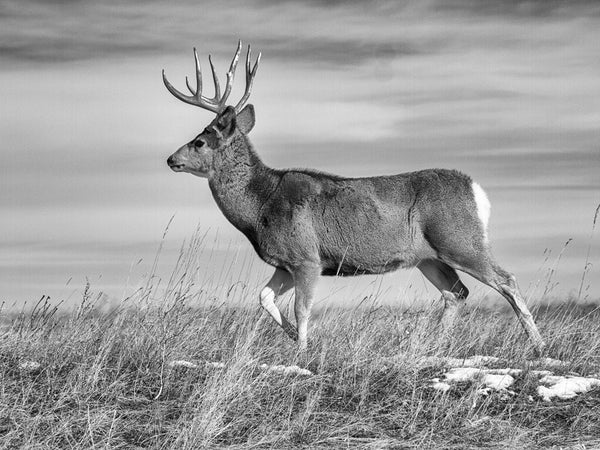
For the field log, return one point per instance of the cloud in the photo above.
(309, 31)
(519, 8)
(505, 91)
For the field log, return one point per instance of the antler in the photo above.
(217, 103)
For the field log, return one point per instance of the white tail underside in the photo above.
(483, 206)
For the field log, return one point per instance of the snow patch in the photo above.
(565, 387)
(181, 363)
(439, 385)
(30, 366)
(214, 364)
(500, 379)
(496, 379)
(285, 370)
(458, 374)
(497, 382)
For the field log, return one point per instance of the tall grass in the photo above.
(103, 378)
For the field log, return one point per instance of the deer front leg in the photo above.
(279, 284)
(305, 280)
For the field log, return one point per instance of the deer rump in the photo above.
(354, 226)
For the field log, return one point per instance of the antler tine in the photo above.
(198, 89)
(231, 74)
(248, 57)
(198, 76)
(187, 83)
(192, 100)
(196, 98)
(216, 81)
(250, 73)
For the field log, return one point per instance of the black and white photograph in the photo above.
(299, 224)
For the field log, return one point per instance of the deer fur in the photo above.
(307, 223)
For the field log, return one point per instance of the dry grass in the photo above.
(104, 379)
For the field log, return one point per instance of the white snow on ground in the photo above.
(565, 387)
(458, 374)
(439, 385)
(497, 379)
(460, 370)
(471, 369)
(497, 382)
(286, 370)
(214, 364)
(30, 366)
(281, 369)
(181, 363)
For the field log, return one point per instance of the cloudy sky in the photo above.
(508, 92)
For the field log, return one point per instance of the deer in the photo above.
(307, 223)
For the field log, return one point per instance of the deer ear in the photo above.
(245, 119)
(226, 122)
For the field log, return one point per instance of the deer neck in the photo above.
(241, 184)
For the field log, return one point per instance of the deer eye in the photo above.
(198, 143)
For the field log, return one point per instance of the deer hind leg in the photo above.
(305, 280)
(281, 282)
(445, 278)
(506, 284)
(483, 268)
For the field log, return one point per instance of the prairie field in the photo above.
(93, 377)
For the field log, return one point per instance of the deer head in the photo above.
(197, 156)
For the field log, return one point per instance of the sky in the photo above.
(506, 91)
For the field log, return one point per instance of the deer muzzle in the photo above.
(175, 163)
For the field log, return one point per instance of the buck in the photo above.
(307, 223)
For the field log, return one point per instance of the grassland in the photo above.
(94, 377)
(104, 380)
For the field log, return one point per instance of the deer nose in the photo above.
(175, 164)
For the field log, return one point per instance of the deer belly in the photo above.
(363, 263)
(351, 270)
